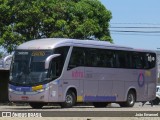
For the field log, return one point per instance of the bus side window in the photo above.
(91, 57)
(110, 59)
(77, 58)
(53, 69)
(146, 62)
(56, 67)
(100, 58)
(58, 62)
(150, 60)
(123, 59)
(137, 61)
(154, 60)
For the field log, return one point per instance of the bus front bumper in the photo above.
(28, 94)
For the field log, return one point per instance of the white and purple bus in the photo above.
(68, 71)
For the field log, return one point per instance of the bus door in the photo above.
(56, 67)
(55, 72)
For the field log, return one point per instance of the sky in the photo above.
(135, 23)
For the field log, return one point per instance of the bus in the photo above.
(70, 71)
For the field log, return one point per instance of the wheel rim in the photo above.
(131, 99)
(69, 99)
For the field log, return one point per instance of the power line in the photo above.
(138, 29)
(144, 29)
(138, 34)
(138, 23)
(127, 31)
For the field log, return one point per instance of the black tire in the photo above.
(70, 100)
(131, 98)
(156, 101)
(100, 104)
(36, 105)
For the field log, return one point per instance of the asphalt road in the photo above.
(82, 111)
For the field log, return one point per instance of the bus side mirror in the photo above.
(49, 58)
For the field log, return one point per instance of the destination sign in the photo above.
(38, 53)
(22, 53)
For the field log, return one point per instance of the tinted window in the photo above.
(100, 58)
(93, 57)
(150, 60)
(123, 59)
(143, 60)
(77, 58)
(137, 60)
(58, 62)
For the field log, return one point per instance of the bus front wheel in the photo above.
(131, 98)
(70, 100)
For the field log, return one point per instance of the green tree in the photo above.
(22, 21)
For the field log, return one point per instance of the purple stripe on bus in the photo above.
(100, 98)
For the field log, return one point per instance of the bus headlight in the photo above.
(41, 90)
(10, 90)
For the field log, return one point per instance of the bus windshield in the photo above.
(28, 67)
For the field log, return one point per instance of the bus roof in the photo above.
(51, 43)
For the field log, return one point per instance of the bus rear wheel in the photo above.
(100, 104)
(36, 105)
(131, 98)
(70, 100)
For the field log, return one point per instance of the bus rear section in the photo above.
(112, 76)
